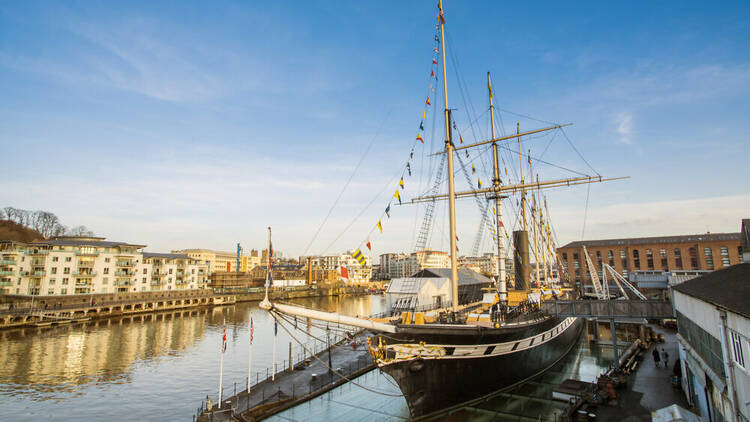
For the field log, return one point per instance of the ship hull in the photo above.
(433, 384)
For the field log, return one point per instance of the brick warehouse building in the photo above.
(710, 251)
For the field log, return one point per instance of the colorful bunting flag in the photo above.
(437, 39)
(388, 211)
(467, 153)
(432, 73)
(359, 257)
(408, 168)
(369, 246)
(428, 101)
(421, 125)
(411, 154)
(344, 272)
(435, 49)
(380, 226)
(424, 114)
(473, 170)
(493, 210)
(419, 138)
(461, 138)
(442, 18)
(401, 183)
(434, 61)
(479, 183)
(398, 196)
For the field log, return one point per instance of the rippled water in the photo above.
(158, 368)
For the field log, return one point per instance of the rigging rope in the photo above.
(346, 185)
(275, 314)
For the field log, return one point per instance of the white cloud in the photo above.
(625, 127)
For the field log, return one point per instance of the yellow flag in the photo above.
(493, 211)
(380, 227)
(424, 114)
(398, 196)
(401, 183)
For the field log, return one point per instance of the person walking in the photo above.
(655, 353)
(665, 357)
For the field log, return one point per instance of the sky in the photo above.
(198, 125)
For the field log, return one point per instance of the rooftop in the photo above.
(705, 237)
(728, 288)
(84, 241)
(465, 275)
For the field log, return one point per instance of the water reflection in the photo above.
(59, 367)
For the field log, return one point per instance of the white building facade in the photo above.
(713, 318)
(88, 265)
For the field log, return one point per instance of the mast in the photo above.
(451, 185)
(523, 191)
(533, 222)
(502, 290)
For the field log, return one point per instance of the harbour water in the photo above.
(154, 367)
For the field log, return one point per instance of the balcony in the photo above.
(128, 282)
(125, 263)
(36, 273)
(7, 261)
(123, 273)
(5, 282)
(84, 274)
(81, 253)
(37, 252)
(156, 282)
(7, 273)
(83, 284)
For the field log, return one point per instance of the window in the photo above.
(106, 270)
(650, 259)
(737, 349)
(724, 251)
(611, 258)
(54, 270)
(65, 280)
(636, 259)
(693, 252)
(565, 256)
(67, 259)
(678, 258)
(66, 270)
(55, 259)
(144, 279)
(51, 281)
(170, 270)
(739, 252)
(663, 256)
(105, 280)
(106, 259)
(625, 274)
(709, 258)
(64, 291)
(725, 256)
(51, 292)
(145, 271)
(623, 255)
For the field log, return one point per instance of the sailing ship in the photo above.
(454, 359)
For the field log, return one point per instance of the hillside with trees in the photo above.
(25, 225)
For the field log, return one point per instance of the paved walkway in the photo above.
(291, 387)
(650, 388)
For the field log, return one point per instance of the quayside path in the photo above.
(306, 378)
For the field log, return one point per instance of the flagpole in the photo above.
(250, 356)
(275, 332)
(266, 304)
(221, 361)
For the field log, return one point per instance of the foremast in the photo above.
(449, 148)
(502, 287)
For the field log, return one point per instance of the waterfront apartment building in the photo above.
(486, 264)
(405, 265)
(89, 265)
(709, 251)
(223, 261)
(325, 266)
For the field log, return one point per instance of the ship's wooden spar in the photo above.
(328, 317)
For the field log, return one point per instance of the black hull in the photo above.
(432, 385)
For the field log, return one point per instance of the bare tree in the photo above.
(80, 231)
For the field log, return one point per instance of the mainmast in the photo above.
(451, 185)
(502, 289)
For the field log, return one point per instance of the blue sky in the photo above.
(195, 125)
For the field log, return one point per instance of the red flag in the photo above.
(435, 49)
(369, 246)
(461, 138)
(501, 223)
(428, 101)
(344, 272)
(442, 18)
(419, 138)
(252, 330)
(224, 341)
(432, 73)
(434, 61)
